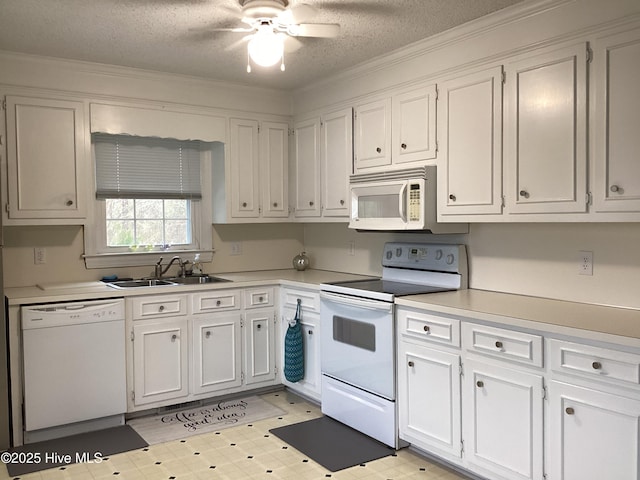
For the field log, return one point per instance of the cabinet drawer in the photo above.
(159, 306)
(501, 343)
(310, 301)
(216, 300)
(597, 363)
(258, 297)
(429, 327)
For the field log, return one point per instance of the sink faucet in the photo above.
(159, 271)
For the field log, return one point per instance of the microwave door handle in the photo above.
(403, 203)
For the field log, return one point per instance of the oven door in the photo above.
(358, 342)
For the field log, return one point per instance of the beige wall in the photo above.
(263, 247)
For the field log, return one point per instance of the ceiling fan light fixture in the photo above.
(265, 47)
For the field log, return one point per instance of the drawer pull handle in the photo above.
(596, 365)
(498, 344)
(411, 364)
(259, 326)
(218, 303)
(161, 308)
(69, 203)
(208, 334)
(174, 337)
(261, 299)
(426, 328)
(310, 332)
(570, 410)
(480, 384)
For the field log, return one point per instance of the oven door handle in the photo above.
(356, 302)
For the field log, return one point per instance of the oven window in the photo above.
(378, 206)
(354, 333)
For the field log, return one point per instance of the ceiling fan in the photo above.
(271, 22)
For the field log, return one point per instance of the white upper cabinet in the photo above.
(617, 116)
(46, 159)
(414, 125)
(251, 183)
(337, 161)
(546, 132)
(470, 157)
(307, 176)
(373, 135)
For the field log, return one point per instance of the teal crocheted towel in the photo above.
(294, 350)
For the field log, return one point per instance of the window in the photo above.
(148, 198)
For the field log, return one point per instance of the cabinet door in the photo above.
(617, 115)
(470, 145)
(307, 141)
(46, 158)
(503, 420)
(337, 162)
(160, 360)
(274, 149)
(429, 398)
(373, 135)
(259, 346)
(217, 356)
(414, 125)
(310, 384)
(593, 435)
(244, 168)
(546, 132)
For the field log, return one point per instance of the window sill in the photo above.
(141, 259)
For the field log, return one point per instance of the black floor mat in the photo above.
(83, 447)
(332, 444)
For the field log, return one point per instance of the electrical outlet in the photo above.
(352, 247)
(39, 256)
(586, 263)
(236, 248)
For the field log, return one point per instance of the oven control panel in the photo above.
(421, 256)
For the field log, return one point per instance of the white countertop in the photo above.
(64, 292)
(604, 323)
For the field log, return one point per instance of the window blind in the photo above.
(146, 167)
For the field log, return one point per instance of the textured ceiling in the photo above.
(176, 35)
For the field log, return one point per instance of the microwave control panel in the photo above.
(414, 203)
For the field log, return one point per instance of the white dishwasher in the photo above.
(74, 364)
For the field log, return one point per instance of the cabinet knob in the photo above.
(426, 328)
(596, 365)
(311, 204)
(480, 384)
(208, 334)
(614, 188)
(524, 193)
(452, 197)
(310, 332)
(411, 364)
(498, 344)
(275, 204)
(244, 204)
(218, 303)
(261, 299)
(259, 326)
(379, 150)
(569, 410)
(341, 202)
(69, 203)
(161, 308)
(174, 337)
(403, 146)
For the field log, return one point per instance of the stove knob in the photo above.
(389, 254)
(398, 252)
(439, 254)
(450, 259)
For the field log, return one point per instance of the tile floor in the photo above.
(241, 452)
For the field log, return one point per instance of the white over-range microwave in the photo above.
(398, 200)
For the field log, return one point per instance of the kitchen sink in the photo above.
(172, 281)
(142, 282)
(197, 279)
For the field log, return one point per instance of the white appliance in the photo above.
(397, 200)
(358, 333)
(74, 367)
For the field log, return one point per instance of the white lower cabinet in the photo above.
(259, 346)
(216, 352)
(310, 385)
(503, 420)
(593, 434)
(160, 360)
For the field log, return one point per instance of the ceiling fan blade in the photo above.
(299, 13)
(321, 30)
(292, 44)
(233, 29)
(238, 43)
